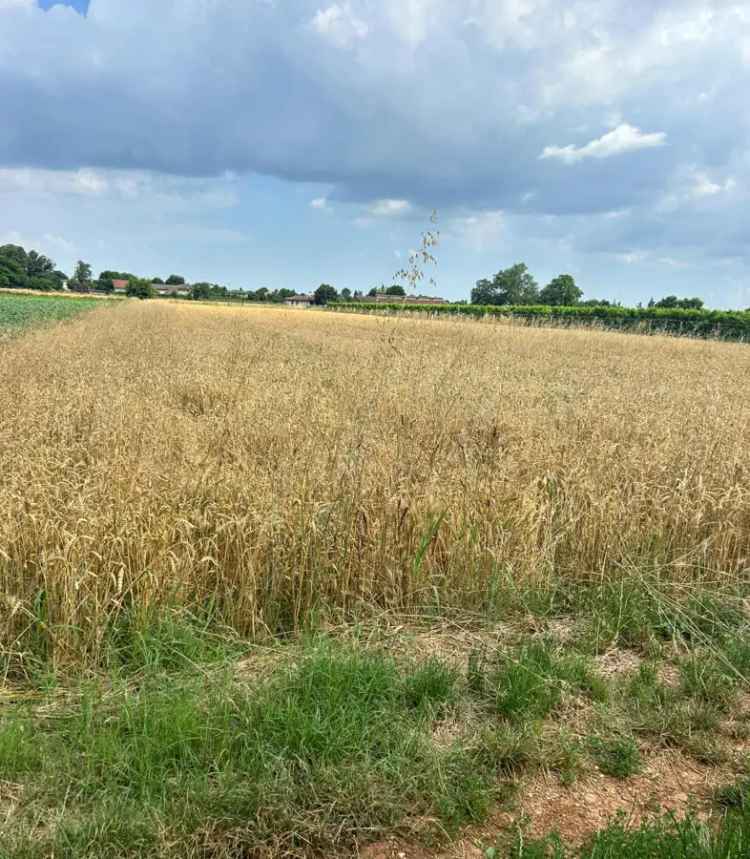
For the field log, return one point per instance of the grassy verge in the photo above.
(330, 748)
(190, 742)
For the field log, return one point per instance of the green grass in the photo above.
(616, 756)
(336, 743)
(529, 682)
(665, 838)
(191, 742)
(644, 614)
(21, 311)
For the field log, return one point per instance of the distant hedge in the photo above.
(717, 324)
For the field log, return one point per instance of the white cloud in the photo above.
(128, 185)
(703, 186)
(481, 231)
(632, 257)
(80, 182)
(410, 18)
(624, 138)
(319, 203)
(339, 24)
(389, 208)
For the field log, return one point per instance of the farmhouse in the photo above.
(300, 301)
(166, 290)
(382, 298)
(171, 290)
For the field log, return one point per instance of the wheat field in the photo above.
(272, 465)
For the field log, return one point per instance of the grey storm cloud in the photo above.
(530, 106)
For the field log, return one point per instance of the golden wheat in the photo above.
(272, 462)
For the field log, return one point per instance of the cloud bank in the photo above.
(543, 115)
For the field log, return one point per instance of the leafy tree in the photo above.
(346, 294)
(561, 292)
(483, 292)
(21, 270)
(325, 293)
(513, 285)
(673, 302)
(206, 291)
(175, 280)
(12, 267)
(373, 292)
(82, 274)
(200, 291)
(38, 265)
(156, 280)
(595, 302)
(139, 288)
(278, 296)
(395, 290)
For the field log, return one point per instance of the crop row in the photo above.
(720, 324)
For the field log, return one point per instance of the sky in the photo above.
(285, 143)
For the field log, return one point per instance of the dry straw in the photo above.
(268, 464)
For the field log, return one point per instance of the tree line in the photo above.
(514, 286)
(32, 270)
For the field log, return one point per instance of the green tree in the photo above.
(672, 302)
(82, 274)
(207, 291)
(175, 280)
(200, 291)
(513, 285)
(484, 292)
(595, 302)
(373, 292)
(32, 270)
(38, 265)
(278, 296)
(12, 267)
(107, 278)
(139, 288)
(21, 270)
(156, 280)
(395, 290)
(325, 293)
(346, 294)
(561, 292)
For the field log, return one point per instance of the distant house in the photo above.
(300, 301)
(382, 298)
(167, 290)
